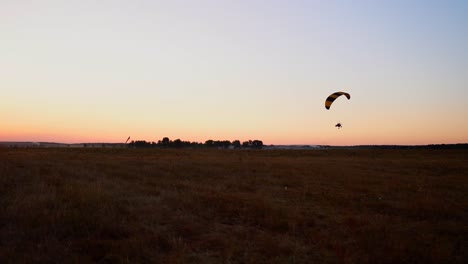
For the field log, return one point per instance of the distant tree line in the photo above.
(222, 144)
(430, 146)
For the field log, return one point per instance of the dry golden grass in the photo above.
(229, 206)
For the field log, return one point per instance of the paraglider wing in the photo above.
(332, 98)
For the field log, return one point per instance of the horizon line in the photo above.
(325, 145)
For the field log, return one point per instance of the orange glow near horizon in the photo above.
(332, 136)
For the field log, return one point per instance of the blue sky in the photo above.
(102, 70)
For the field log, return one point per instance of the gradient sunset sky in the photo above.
(100, 71)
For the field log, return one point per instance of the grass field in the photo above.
(233, 206)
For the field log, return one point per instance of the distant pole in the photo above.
(127, 140)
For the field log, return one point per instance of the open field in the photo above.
(233, 206)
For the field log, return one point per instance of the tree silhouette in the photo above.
(177, 143)
(236, 143)
(257, 144)
(165, 142)
(209, 143)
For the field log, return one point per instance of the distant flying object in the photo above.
(332, 98)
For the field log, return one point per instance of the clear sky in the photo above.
(103, 70)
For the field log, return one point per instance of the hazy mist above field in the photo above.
(88, 71)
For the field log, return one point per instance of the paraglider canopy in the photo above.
(332, 98)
